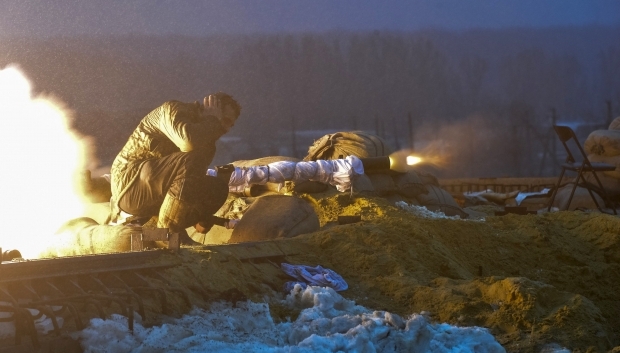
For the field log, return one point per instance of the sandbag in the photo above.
(603, 143)
(405, 184)
(351, 143)
(275, 216)
(84, 236)
(427, 178)
(581, 199)
(382, 183)
(409, 184)
(611, 185)
(438, 199)
(362, 184)
(216, 235)
(615, 124)
(613, 160)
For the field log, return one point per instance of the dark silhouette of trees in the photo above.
(473, 70)
(610, 74)
(338, 81)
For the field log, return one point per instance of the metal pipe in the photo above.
(376, 163)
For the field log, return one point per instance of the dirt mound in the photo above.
(533, 280)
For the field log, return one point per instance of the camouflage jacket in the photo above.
(172, 127)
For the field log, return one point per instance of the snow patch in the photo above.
(327, 323)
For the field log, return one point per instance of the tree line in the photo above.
(479, 95)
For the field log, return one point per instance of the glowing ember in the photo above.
(40, 158)
(411, 160)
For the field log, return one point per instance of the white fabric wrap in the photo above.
(338, 172)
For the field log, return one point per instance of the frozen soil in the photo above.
(532, 280)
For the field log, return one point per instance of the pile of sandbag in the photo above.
(436, 198)
(84, 236)
(581, 199)
(415, 187)
(268, 211)
(604, 146)
(268, 214)
(601, 146)
(348, 143)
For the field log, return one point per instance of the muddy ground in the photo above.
(532, 280)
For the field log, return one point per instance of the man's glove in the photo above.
(224, 172)
(205, 226)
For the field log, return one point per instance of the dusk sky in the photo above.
(196, 18)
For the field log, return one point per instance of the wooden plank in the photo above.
(76, 265)
(500, 185)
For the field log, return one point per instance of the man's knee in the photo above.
(208, 192)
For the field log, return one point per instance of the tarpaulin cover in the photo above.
(315, 276)
(337, 172)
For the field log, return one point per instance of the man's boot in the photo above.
(176, 215)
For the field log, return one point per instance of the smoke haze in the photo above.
(373, 81)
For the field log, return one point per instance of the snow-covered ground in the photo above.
(327, 323)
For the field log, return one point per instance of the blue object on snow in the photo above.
(315, 276)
